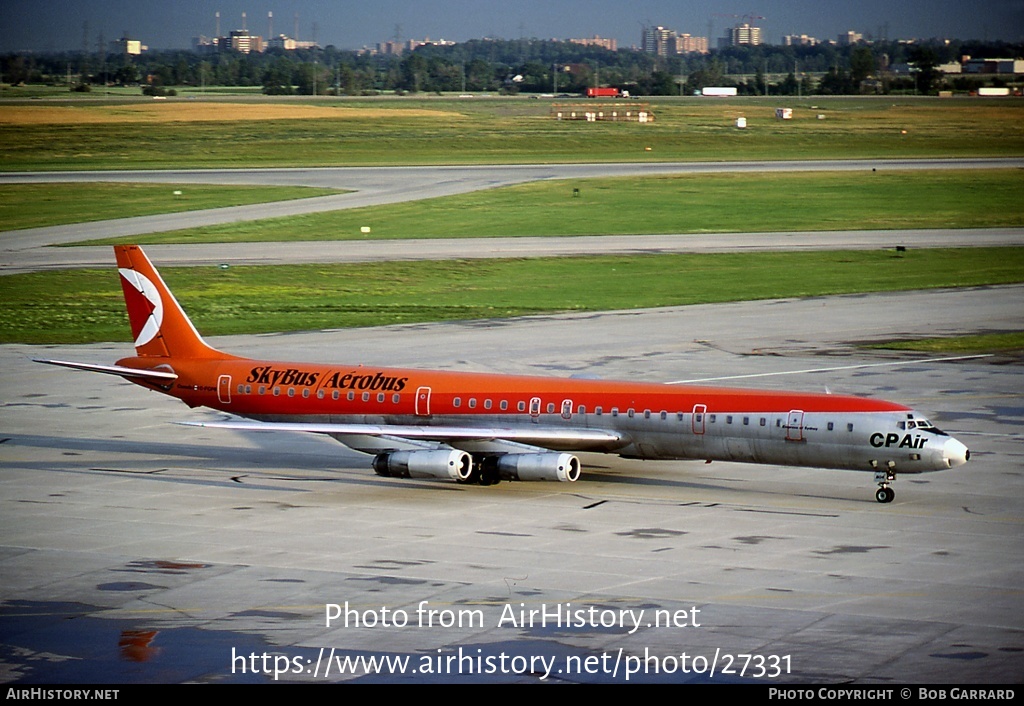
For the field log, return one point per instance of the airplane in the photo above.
(484, 428)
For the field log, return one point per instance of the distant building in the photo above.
(414, 44)
(285, 42)
(667, 42)
(743, 35)
(993, 66)
(798, 40)
(686, 44)
(595, 41)
(241, 41)
(848, 38)
(389, 48)
(238, 40)
(658, 40)
(128, 47)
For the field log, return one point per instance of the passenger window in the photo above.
(487, 404)
(849, 427)
(504, 405)
(457, 402)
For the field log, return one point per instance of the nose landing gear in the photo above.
(884, 494)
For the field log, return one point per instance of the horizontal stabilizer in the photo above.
(161, 375)
(534, 434)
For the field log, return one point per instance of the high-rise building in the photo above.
(658, 40)
(744, 35)
(241, 41)
(686, 44)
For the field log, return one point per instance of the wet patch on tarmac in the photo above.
(67, 643)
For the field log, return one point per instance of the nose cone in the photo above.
(954, 453)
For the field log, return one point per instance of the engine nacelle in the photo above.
(448, 464)
(552, 466)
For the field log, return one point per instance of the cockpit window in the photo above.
(925, 425)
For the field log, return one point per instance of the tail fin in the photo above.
(159, 325)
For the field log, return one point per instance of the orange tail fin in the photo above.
(160, 327)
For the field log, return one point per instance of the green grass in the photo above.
(86, 305)
(663, 204)
(1002, 343)
(491, 130)
(36, 205)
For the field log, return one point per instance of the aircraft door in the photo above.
(224, 389)
(423, 402)
(795, 425)
(699, 412)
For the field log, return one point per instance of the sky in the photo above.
(57, 25)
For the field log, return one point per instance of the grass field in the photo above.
(87, 305)
(663, 204)
(1000, 343)
(36, 205)
(186, 133)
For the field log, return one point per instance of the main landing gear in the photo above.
(884, 494)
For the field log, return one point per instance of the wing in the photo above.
(131, 373)
(580, 439)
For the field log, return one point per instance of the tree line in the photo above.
(522, 66)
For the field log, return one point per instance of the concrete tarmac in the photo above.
(136, 550)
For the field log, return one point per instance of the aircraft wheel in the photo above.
(885, 495)
(489, 476)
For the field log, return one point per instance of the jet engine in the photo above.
(448, 464)
(550, 466)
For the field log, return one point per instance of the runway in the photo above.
(137, 550)
(373, 186)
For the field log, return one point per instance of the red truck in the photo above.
(603, 93)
